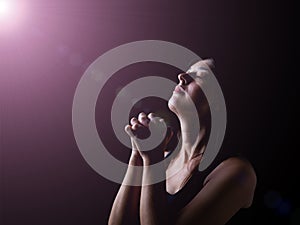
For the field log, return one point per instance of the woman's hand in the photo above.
(155, 131)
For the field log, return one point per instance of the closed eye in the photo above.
(202, 69)
(195, 77)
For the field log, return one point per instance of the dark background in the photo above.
(45, 180)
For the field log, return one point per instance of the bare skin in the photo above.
(228, 188)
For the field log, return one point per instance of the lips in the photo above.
(178, 89)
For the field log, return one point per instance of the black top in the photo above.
(194, 185)
(181, 198)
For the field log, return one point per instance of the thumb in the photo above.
(169, 134)
(172, 140)
(129, 131)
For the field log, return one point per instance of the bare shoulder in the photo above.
(238, 172)
(227, 189)
(232, 167)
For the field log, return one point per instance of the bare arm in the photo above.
(153, 199)
(125, 209)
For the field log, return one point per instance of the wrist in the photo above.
(146, 161)
(135, 159)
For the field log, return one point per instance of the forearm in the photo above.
(125, 209)
(153, 199)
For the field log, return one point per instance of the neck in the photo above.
(194, 136)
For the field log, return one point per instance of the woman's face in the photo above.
(188, 93)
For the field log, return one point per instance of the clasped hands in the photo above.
(149, 137)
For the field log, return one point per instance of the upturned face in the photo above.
(188, 93)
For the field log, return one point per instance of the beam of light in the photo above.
(5, 8)
(11, 14)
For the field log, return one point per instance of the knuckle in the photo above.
(151, 115)
(133, 120)
(142, 114)
(127, 127)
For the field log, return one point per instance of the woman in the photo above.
(186, 196)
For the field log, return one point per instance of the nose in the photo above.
(184, 78)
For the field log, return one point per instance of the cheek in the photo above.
(195, 93)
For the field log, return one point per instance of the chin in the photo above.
(181, 107)
(172, 106)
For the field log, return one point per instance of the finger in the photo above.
(128, 130)
(136, 126)
(151, 115)
(143, 119)
(141, 131)
(133, 121)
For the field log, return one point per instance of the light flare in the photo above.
(5, 8)
(12, 14)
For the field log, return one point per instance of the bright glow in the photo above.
(12, 15)
(5, 8)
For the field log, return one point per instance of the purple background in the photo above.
(45, 180)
